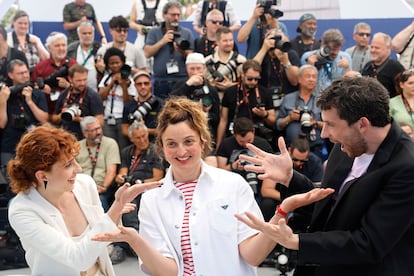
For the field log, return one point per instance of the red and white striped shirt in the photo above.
(187, 188)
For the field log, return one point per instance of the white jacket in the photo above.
(50, 250)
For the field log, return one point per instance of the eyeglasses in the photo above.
(145, 83)
(216, 22)
(364, 34)
(94, 129)
(121, 30)
(299, 160)
(253, 78)
(174, 14)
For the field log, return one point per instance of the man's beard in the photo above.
(308, 32)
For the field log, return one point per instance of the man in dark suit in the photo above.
(367, 226)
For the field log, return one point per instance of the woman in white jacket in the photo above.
(57, 210)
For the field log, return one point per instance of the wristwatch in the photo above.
(287, 65)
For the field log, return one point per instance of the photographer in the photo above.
(169, 44)
(224, 66)
(231, 147)
(280, 66)
(77, 102)
(145, 107)
(139, 163)
(21, 108)
(264, 18)
(115, 90)
(298, 112)
(247, 99)
(197, 89)
(306, 40)
(54, 71)
(331, 62)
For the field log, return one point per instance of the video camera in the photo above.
(143, 110)
(283, 46)
(267, 4)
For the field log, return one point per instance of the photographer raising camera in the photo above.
(21, 108)
(77, 102)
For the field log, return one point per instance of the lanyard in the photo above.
(137, 159)
(85, 59)
(93, 158)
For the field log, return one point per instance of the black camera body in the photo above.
(16, 90)
(181, 43)
(267, 4)
(143, 110)
(125, 71)
(52, 81)
(19, 121)
(128, 179)
(202, 93)
(250, 177)
(283, 46)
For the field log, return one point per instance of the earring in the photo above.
(45, 183)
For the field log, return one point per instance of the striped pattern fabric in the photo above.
(187, 188)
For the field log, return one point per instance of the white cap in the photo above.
(195, 58)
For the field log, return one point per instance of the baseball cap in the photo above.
(141, 73)
(195, 58)
(303, 18)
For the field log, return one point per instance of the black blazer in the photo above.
(369, 228)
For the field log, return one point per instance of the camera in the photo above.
(263, 131)
(202, 93)
(283, 46)
(267, 4)
(52, 81)
(143, 110)
(323, 54)
(251, 177)
(19, 121)
(71, 112)
(128, 179)
(222, 71)
(306, 120)
(125, 71)
(17, 89)
(111, 121)
(181, 43)
(277, 96)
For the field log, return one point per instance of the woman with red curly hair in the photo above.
(57, 209)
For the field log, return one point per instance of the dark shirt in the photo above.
(17, 125)
(300, 47)
(147, 161)
(207, 47)
(312, 168)
(91, 106)
(274, 75)
(385, 73)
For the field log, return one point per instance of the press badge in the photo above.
(54, 96)
(172, 67)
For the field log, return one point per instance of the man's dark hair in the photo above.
(251, 64)
(118, 22)
(113, 51)
(242, 126)
(355, 98)
(300, 143)
(13, 63)
(77, 68)
(171, 4)
(222, 30)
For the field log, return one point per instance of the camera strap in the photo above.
(137, 158)
(71, 98)
(93, 158)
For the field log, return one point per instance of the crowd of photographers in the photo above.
(254, 98)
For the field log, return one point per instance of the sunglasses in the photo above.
(253, 78)
(364, 34)
(145, 83)
(299, 160)
(121, 30)
(216, 22)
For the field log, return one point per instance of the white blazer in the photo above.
(50, 250)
